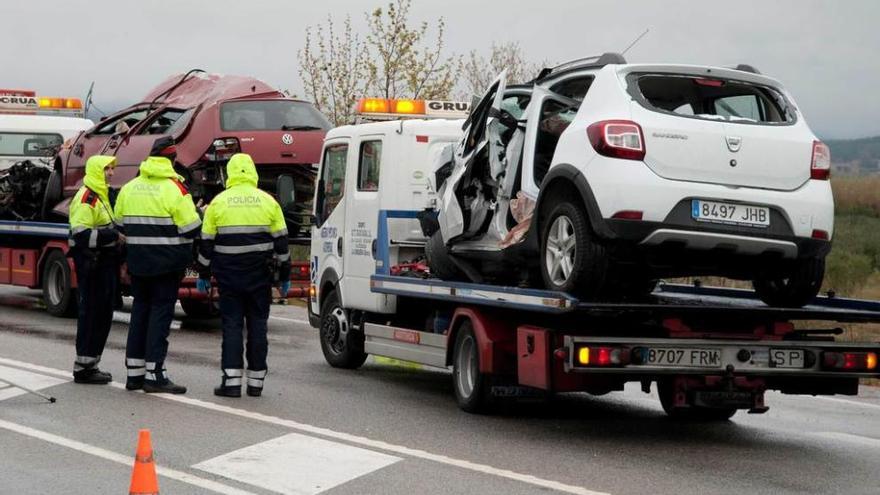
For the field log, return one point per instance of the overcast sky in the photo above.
(826, 52)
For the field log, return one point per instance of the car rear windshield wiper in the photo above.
(300, 128)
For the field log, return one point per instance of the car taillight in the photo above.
(601, 356)
(222, 149)
(617, 139)
(849, 361)
(820, 168)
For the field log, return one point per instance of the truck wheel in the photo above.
(691, 413)
(203, 310)
(473, 389)
(439, 262)
(341, 343)
(59, 296)
(794, 289)
(570, 260)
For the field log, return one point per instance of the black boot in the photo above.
(254, 391)
(222, 391)
(134, 383)
(92, 376)
(164, 387)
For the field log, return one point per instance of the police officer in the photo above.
(94, 245)
(160, 222)
(244, 240)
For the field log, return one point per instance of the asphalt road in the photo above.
(390, 428)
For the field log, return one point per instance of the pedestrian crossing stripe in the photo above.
(9, 377)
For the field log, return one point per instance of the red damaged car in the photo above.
(210, 117)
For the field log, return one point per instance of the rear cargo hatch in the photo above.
(720, 130)
(275, 131)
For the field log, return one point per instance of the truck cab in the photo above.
(367, 169)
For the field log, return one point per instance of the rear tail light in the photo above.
(849, 361)
(820, 168)
(601, 356)
(617, 139)
(222, 149)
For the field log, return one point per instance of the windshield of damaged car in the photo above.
(712, 99)
(271, 115)
(28, 144)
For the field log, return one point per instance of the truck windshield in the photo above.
(271, 115)
(28, 144)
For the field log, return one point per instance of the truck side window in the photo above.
(333, 177)
(368, 166)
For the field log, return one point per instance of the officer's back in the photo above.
(159, 218)
(242, 227)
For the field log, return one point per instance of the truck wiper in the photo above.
(300, 128)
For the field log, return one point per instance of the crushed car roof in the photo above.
(201, 87)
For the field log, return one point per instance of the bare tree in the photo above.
(478, 72)
(404, 62)
(335, 69)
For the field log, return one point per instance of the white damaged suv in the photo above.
(600, 177)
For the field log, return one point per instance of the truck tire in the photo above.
(795, 290)
(439, 262)
(341, 343)
(571, 261)
(691, 413)
(59, 296)
(52, 196)
(198, 309)
(473, 389)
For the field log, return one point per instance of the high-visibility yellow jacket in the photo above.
(244, 233)
(158, 218)
(91, 216)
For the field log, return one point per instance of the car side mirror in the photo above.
(285, 190)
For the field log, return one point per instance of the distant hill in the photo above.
(856, 156)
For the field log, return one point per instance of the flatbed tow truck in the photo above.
(711, 351)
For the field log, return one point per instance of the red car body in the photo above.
(210, 117)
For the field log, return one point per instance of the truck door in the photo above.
(361, 218)
(327, 240)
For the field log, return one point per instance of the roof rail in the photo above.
(747, 68)
(580, 63)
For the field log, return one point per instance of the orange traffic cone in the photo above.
(143, 476)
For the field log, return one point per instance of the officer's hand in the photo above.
(121, 239)
(284, 288)
(203, 285)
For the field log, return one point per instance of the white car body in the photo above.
(15, 130)
(738, 143)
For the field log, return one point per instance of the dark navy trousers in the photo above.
(97, 279)
(151, 315)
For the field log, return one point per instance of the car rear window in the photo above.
(271, 115)
(29, 144)
(711, 98)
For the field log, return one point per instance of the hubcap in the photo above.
(466, 366)
(560, 252)
(335, 329)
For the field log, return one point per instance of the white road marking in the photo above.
(346, 437)
(847, 401)
(121, 459)
(849, 438)
(294, 320)
(9, 377)
(297, 464)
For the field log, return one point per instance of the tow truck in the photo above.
(710, 351)
(33, 253)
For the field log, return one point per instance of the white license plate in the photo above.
(730, 213)
(786, 358)
(682, 356)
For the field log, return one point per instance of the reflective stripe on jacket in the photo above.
(244, 230)
(159, 219)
